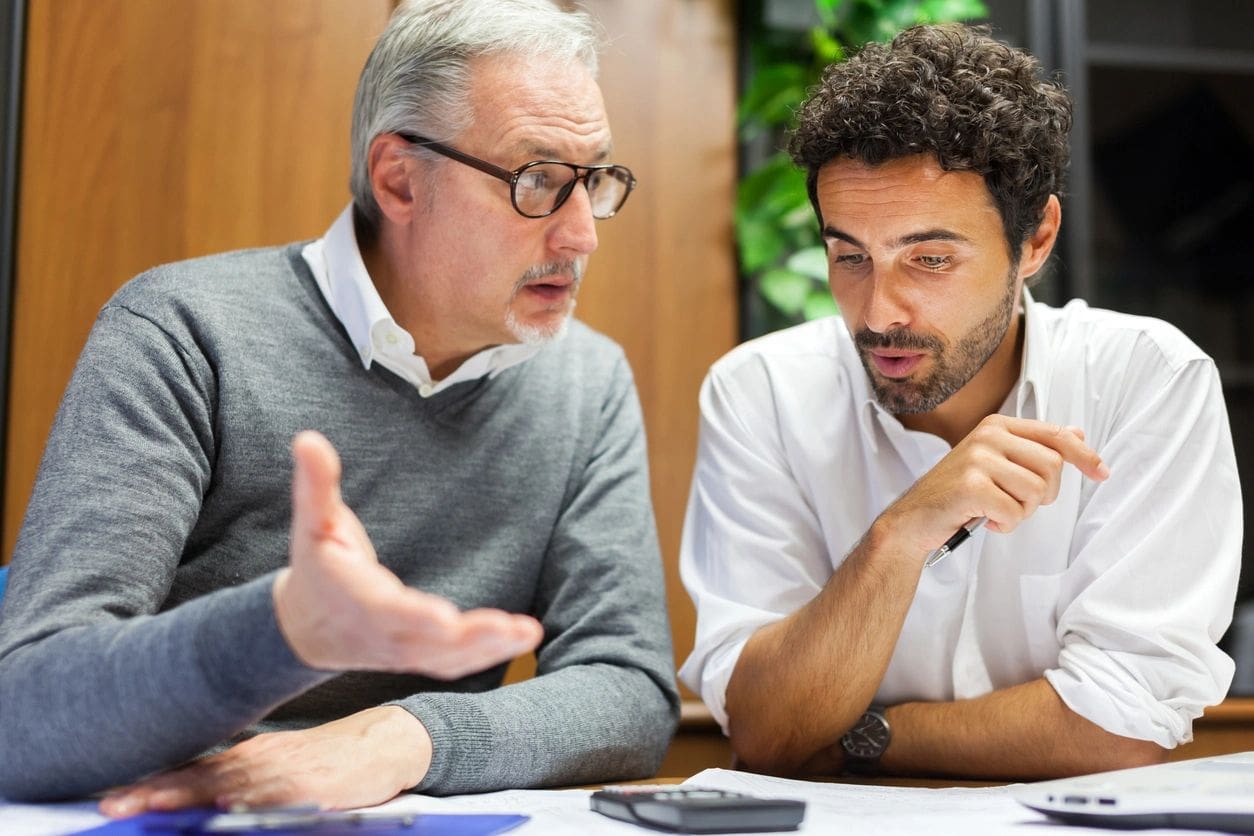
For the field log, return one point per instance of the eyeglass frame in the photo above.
(511, 177)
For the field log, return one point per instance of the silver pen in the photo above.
(960, 537)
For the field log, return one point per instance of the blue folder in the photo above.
(195, 822)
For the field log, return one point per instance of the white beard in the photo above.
(536, 334)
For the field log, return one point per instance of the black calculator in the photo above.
(697, 810)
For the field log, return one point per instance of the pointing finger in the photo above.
(1069, 444)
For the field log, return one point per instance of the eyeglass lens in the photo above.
(542, 187)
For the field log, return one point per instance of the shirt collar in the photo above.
(1027, 395)
(344, 281)
(337, 266)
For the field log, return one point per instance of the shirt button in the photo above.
(425, 390)
(391, 338)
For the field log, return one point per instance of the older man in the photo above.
(163, 602)
(1086, 454)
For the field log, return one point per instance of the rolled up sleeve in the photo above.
(1151, 582)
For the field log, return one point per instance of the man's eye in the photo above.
(850, 260)
(934, 262)
(535, 181)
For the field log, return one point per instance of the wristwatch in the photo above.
(866, 741)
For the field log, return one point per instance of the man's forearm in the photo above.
(1024, 732)
(802, 682)
(105, 704)
(577, 725)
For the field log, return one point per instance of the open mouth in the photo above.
(551, 291)
(893, 364)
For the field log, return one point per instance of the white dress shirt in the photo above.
(341, 275)
(1116, 593)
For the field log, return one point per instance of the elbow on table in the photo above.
(641, 747)
(1133, 753)
(651, 748)
(757, 749)
(1120, 753)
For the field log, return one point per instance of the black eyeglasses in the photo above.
(539, 188)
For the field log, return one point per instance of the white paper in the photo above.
(48, 819)
(857, 809)
(841, 809)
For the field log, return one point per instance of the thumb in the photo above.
(315, 485)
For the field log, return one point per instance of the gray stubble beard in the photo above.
(536, 334)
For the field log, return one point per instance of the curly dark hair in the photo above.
(952, 91)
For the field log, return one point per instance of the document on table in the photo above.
(850, 809)
(845, 809)
(48, 819)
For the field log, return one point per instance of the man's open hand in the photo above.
(339, 609)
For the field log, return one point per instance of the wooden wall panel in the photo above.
(154, 131)
(664, 281)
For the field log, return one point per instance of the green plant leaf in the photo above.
(801, 220)
(811, 261)
(829, 12)
(753, 188)
(819, 304)
(788, 194)
(773, 93)
(786, 290)
(896, 16)
(760, 243)
(827, 50)
(943, 11)
(775, 190)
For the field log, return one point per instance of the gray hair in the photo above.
(417, 78)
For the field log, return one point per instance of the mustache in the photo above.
(570, 268)
(901, 339)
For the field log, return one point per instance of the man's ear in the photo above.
(1040, 243)
(391, 169)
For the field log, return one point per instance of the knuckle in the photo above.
(972, 482)
(1007, 524)
(985, 432)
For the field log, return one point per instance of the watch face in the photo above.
(868, 739)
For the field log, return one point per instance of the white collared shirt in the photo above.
(341, 275)
(1116, 593)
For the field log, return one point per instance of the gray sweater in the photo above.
(138, 629)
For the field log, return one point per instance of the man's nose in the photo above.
(574, 229)
(885, 308)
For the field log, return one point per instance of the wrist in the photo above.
(405, 742)
(285, 618)
(864, 744)
(888, 540)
